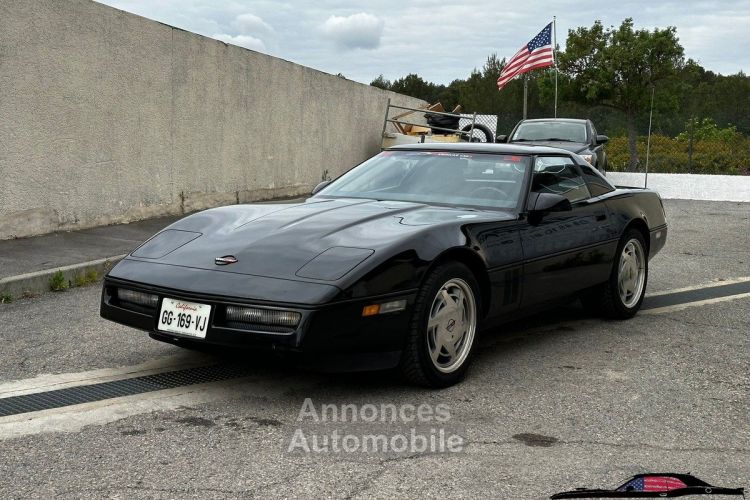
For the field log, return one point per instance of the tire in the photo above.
(478, 127)
(453, 289)
(439, 123)
(609, 299)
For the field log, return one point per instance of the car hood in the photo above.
(573, 147)
(278, 241)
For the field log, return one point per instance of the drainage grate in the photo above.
(713, 292)
(59, 398)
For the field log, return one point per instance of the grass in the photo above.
(58, 283)
(92, 276)
(88, 278)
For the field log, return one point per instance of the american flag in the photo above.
(653, 483)
(537, 53)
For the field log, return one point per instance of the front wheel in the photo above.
(444, 327)
(622, 295)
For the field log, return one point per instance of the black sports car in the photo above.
(399, 262)
(576, 136)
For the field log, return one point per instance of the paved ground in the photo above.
(560, 401)
(26, 255)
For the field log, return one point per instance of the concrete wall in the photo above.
(689, 186)
(108, 117)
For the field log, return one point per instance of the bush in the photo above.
(717, 155)
(57, 282)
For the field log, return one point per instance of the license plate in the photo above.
(185, 318)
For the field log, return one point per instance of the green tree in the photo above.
(413, 85)
(697, 129)
(618, 67)
(381, 83)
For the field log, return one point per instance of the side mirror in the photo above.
(548, 202)
(501, 138)
(320, 186)
(602, 139)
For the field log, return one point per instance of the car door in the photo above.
(563, 251)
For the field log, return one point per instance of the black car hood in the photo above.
(573, 147)
(277, 241)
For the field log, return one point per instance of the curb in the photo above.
(38, 282)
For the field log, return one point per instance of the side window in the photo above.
(559, 175)
(597, 184)
(593, 133)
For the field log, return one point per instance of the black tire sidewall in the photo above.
(434, 282)
(489, 136)
(621, 309)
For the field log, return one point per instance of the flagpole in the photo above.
(554, 56)
(525, 94)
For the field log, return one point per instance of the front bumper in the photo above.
(329, 334)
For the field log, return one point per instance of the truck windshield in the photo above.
(551, 131)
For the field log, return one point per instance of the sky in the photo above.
(440, 41)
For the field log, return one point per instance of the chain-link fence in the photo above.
(681, 155)
(702, 148)
(485, 127)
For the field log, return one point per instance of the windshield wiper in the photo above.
(558, 139)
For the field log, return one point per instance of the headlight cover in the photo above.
(165, 243)
(334, 263)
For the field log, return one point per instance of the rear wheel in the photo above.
(622, 295)
(444, 328)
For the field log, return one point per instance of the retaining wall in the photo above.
(689, 186)
(109, 117)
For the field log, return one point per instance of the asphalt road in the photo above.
(557, 402)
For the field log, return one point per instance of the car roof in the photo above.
(567, 120)
(479, 147)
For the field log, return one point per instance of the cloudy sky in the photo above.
(440, 41)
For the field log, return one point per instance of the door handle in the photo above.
(601, 217)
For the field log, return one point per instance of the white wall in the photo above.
(689, 186)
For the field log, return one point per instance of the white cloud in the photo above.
(252, 32)
(440, 41)
(360, 30)
(250, 24)
(247, 41)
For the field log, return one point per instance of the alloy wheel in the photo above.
(451, 325)
(631, 274)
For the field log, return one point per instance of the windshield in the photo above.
(546, 131)
(473, 179)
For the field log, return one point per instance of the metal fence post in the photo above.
(385, 121)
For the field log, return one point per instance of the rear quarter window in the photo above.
(597, 184)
